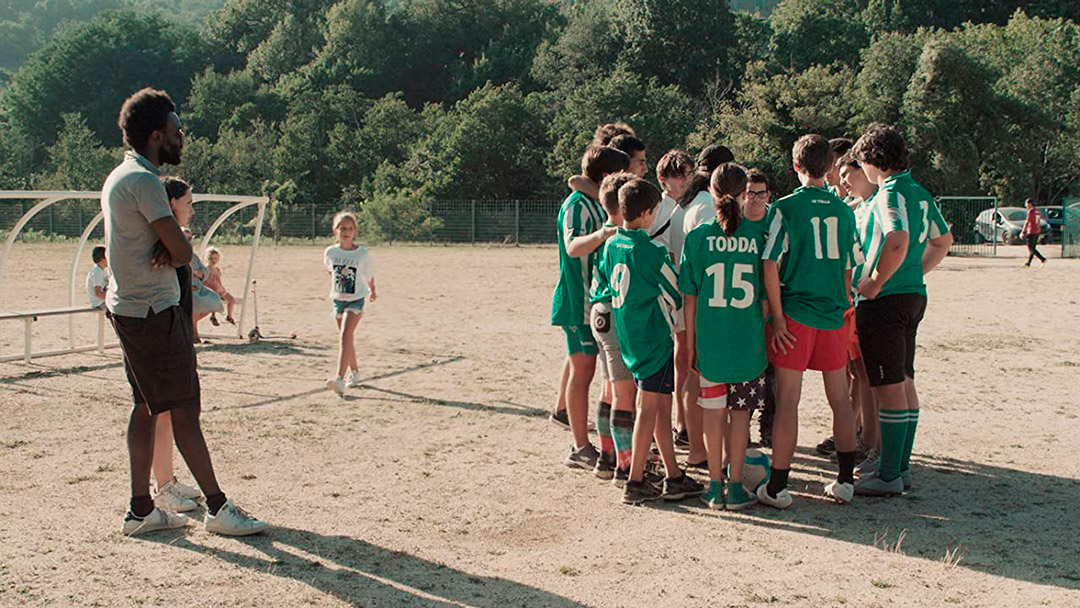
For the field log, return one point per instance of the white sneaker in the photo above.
(783, 500)
(231, 520)
(170, 499)
(156, 520)
(185, 490)
(337, 385)
(840, 492)
(869, 465)
(354, 379)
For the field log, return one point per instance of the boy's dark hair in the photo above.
(175, 187)
(757, 176)
(708, 160)
(813, 155)
(143, 113)
(603, 160)
(883, 147)
(849, 160)
(840, 147)
(726, 184)
(98, 253)
(674, 163)
(637, 197)
(628, 144)
(609, 190)
(605, 133)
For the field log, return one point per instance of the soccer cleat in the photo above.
(783, 499)
(231, 520)
(827, 447)
(186, 490)
(681, 439)
(337, 385)
(170, 499)
(560, 418)
(354, 379)
(637, 492)
(678, 488)
(737, 497)
(605, 466)
(875, 486)
(583, 458)
(840, 492)
(156, 520)
(907, 479)
(714, 496)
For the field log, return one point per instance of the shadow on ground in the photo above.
(996, 520)
(364, 574)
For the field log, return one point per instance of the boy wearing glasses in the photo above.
(757, 207)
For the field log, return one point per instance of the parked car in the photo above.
(1004, 225)
(1055, 216)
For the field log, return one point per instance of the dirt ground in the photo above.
(440, 483)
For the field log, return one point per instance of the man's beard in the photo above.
(170, 155)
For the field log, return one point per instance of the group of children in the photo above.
(702, 289)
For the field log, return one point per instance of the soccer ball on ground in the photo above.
(755, 470)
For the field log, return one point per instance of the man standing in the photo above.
(144, 245)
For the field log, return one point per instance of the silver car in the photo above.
(1004, 225)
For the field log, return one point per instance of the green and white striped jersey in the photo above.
(900, 204)
(644, 299)
(812, 235)
(578, 216)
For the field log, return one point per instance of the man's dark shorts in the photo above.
(159, 359)
(662, 382)
(887, 328)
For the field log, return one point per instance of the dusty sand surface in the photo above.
(440, 482)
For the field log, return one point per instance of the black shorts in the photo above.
(159, 359)
(887, 327)
(662, 382)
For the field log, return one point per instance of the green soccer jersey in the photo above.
(578, 216)
(644, 299)
(812, 235)
(900, 204)
(724, 272)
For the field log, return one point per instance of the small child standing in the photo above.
(97, 280)
(720, 277)
(644, 300)
(352, 280)
(213, 281)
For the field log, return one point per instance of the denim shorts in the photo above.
(354, 306)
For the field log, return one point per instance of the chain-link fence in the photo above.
(1070, 230)
(973, 222)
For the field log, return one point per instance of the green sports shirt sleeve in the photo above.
(903, 204)
(578, 216)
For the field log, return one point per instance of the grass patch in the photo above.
(568, 571)
(881, 584)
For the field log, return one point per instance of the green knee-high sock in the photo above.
(909, 443)
(894, 434)
(603, 427)
(622, 432)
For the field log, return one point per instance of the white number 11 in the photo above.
(832, 246)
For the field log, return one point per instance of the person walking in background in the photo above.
(1030, 233)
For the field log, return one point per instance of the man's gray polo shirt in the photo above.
(131, 199)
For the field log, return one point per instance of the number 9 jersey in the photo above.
(724, 272)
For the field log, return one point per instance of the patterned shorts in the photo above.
(741, 396)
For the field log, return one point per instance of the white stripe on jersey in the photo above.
(774, 229)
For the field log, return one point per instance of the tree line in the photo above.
(383, 105)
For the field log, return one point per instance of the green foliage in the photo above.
(817, 32)
(397, 215)
(77, 161)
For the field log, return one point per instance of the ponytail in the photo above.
(727, 183)
(728, 213)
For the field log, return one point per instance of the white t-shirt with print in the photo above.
(350, 271)
(699, 211)
(97, 277)
(660, 231)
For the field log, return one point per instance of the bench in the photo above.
(28, 319)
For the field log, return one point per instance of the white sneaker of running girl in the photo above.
(231, 520)
(337, 385)
(156, 520)
(354, 380)
(170, 499)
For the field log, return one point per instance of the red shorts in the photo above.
(817, 349)
(853, 350)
